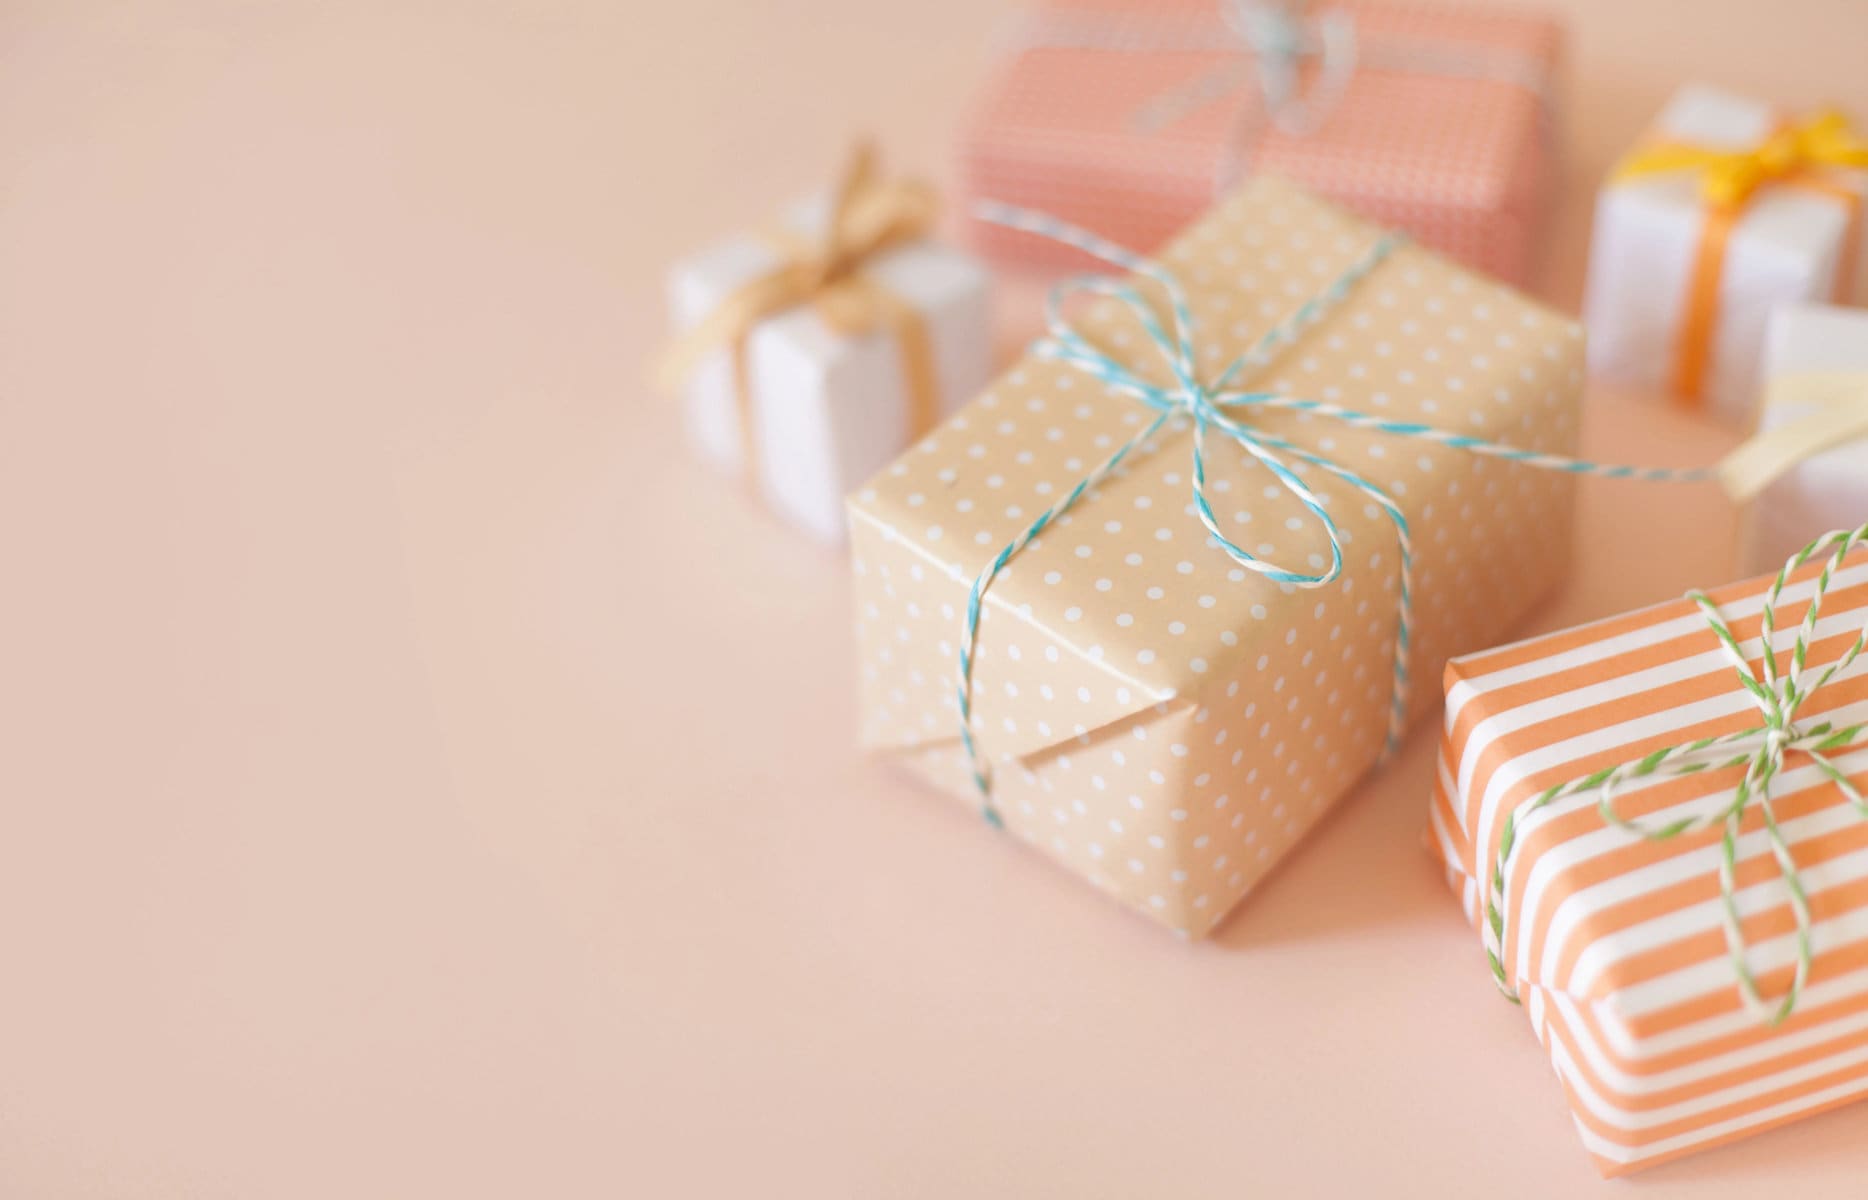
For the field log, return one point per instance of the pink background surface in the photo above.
(418, 778)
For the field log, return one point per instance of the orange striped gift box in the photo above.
(1629, 948)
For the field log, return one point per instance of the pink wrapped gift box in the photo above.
(1125, 117)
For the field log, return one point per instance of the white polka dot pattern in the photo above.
(1462, 163)
(1161, 720)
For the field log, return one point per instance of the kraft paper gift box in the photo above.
(1613, 939)
(1727, 210)
(813, 407)
(1154, 717)
(1129, 118)
(1807, 470)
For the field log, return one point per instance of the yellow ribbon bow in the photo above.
(869, 217)
(1798, 153)
(1729, 177)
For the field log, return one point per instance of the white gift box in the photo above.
(1786, 245)
(1817, 359)
(828, 410)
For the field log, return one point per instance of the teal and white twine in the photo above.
(1760, 750)
(1212, 405)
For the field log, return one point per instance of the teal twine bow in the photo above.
(1277, 39)
(1217, 405)
(1761, 750)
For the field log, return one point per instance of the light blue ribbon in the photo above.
(1217, 405)
(1270, 42)
(1278, 38)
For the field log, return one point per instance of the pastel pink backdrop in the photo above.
(417, 778)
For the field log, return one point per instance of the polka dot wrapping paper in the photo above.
(1615, 943)
(1457, 149)
(1159, 720)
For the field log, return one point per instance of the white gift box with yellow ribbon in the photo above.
(827, 388)
(1807, 470)
(1725, 212)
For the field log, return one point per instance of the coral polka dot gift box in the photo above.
(1154, 600)
(1127, 116)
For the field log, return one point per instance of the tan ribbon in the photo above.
(1833, 411)
(870, 216)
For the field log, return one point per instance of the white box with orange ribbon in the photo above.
(810, 365)
(1806, 470)
(1669, 866)
(1727, 210)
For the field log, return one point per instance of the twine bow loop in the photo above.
(1761, 751)
(1208, 405)
(1223, 405)
(1281, 36)
(1276, 38)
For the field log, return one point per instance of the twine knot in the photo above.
(1761, 752)
(1276, 39)
(1218, 407)
(1197, 402)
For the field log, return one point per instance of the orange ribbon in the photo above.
(1797, 155)
(869, 217)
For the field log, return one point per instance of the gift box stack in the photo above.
(1297, 456)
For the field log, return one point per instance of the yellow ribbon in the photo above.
(1832, 411)
(1729, 177)
(1798, 153)
(870, 216)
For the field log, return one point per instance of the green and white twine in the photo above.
(1213, 405)
(1760, 749)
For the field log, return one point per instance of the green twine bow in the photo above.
(1761, 750)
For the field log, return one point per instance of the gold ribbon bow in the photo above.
(870, 216)
(1729, 177)
(1799, 154)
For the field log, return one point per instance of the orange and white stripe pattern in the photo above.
(1615, 943)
